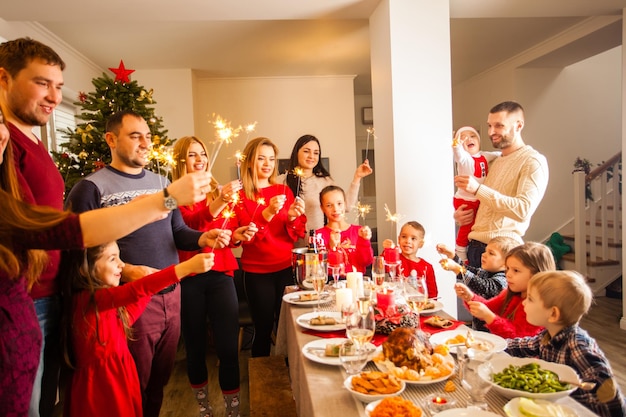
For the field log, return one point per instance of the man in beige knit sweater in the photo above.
(513, 188)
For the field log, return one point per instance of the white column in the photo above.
(622, 322)
(412, 105)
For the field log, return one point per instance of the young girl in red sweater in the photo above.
(266, 259)
(105, 381)
(504, 313)
(350, 240)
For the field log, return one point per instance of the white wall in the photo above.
(173, 94)
(570, 112)
(284, 109)
(79, 70)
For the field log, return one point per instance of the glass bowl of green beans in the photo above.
(528, 377)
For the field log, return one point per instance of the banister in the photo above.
(600, 169)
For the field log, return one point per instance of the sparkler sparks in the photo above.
(259, 202)
(362, 210)
(239, 157)
(393, 218)
(298, 172)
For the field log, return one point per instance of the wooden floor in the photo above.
(602, 323)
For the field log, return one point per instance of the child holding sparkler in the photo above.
(307, 176)
(411, 240)
(504, 314)
(212, 293)
(470, 160)
(266, 259)
(339, 235)
(105, 379)
(487, 281)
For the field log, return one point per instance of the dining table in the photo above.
(318, 388)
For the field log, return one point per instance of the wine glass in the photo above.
(419, 294)
(352, 358)
(319, 278)
(360, 325)
(335, 271)
(378, 271)
(474, 384)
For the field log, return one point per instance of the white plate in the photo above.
(498, 343)
(466, 412)
(314, 351)
(381, 367)
(294, 298)
(303, 321)
(371, 406)
(512, 408)
(438, 307)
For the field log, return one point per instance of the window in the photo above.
(63, 117)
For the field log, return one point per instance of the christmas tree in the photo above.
(86, 150)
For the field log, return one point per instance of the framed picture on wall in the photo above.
(283, 165)
(367, 115)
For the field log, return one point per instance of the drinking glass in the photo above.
(319, 278)
(378, 271)
(352, 357)
(335, 271)
(418, 298)
(360, 325)
(474, 385)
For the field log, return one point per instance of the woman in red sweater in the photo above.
(213, 293)
(504, 314)
(266, 259)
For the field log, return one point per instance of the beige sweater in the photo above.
(510, 195)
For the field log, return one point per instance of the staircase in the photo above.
(596, 230)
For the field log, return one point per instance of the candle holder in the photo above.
(436, 403)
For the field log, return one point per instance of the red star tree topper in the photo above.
(121, 73)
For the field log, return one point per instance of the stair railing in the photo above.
(604, 182)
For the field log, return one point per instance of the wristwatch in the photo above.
(170, 202)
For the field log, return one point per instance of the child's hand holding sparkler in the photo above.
(442, 249)
(388, 244)
(296, 209)
(365, 232)
(215, 238)
(363, 170)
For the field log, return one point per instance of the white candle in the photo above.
(343, 297)
(355, 283)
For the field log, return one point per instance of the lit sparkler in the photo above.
(226, 215)
(259, 202)
(370, 132)
(298, 172)
(393, 218)
(224, 134)
(239, 157)
(362, 210)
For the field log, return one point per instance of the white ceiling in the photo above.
(237, 38)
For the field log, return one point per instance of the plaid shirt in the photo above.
(484, 283)
(574, 347)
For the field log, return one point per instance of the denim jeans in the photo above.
(46, 382)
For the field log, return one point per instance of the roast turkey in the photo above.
(408, 347)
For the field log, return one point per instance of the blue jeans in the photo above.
(475, 250)
(46, 382)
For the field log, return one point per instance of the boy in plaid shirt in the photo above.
(557, 300)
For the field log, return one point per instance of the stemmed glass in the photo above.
(378, 271)
(360, 325)
(419, 296)
(335, 271)
(319, 278)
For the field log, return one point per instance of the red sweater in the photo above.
(422, 268)
(510, 322)
(359, 250)
(270, 249)
(199, 217)
(43, 185)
